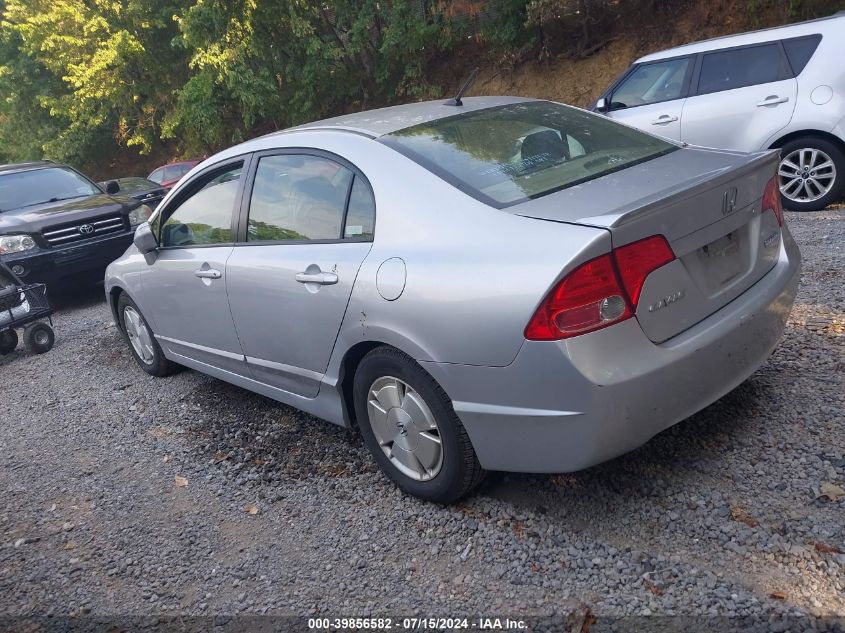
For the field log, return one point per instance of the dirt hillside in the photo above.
(580, 81)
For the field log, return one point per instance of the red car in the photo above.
(168, 175)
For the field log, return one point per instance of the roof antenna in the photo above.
(457, 100)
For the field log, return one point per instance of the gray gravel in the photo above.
(713, 517)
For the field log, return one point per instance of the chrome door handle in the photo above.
(772, 100)
(208, 273)
(663, 120)
(324, 279)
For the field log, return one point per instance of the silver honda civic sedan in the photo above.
(507, 284)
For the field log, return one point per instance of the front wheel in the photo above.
(142, 344)
(811, 174)
(411, 429)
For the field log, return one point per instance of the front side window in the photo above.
(41, 186)
(509, 154)
(205, 217)
(726, 70)
(157, 176)
(652, 83)
(298, 197)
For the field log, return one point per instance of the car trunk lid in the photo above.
(708, 206)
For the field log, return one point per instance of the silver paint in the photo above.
(475, 275)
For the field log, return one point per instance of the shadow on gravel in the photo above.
(255, 439)
(689, 453)
(76, 297)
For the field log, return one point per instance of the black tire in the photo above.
(158, 366)
(39, 338)
(459, 472)
(8, 341)
(837, 187)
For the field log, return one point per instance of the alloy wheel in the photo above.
(806, 174)
(405, 428)
(139, 335)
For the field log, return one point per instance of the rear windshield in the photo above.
(51, 184)
(509, 154)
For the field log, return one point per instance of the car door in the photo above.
(305, 230)
(651, 97)
(741, 97)
(185, 287)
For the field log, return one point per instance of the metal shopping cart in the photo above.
(24, 306)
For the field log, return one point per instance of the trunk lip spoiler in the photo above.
(691, 188)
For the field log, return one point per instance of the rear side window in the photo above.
(727, 70)
(298, 197)
(652, 83)
(799, 50)
(361, 215)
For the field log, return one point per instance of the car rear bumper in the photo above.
(80, 262)
(567, 405)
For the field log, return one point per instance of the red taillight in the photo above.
(599, 293)
(771, 199)
(576, 305)
(636, 261)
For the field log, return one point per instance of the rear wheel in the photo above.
(8, 341)
(142, 344)
(811, 174)
(411, 429)
(39, 338)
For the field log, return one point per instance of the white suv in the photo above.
(778, 88)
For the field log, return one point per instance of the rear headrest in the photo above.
(540, 144)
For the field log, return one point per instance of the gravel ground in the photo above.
(721, 515)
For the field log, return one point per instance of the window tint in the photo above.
(361, 217)
(206, 216)
(651, 83)
(157, 176)
(726, 70)
(508, 154)
(297, 197)
(799, 50)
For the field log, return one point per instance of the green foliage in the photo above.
(81, 78)
(507, 28)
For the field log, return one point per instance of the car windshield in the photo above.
(134, 185)
(38, 186)
(509, 154)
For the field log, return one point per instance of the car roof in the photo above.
(31, 166)
(810, 27)
(192, 161)
(383, 121)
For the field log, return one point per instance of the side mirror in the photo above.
(601, 105)
(145, 241)
(112, 187)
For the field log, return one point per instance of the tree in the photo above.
(115, 63)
